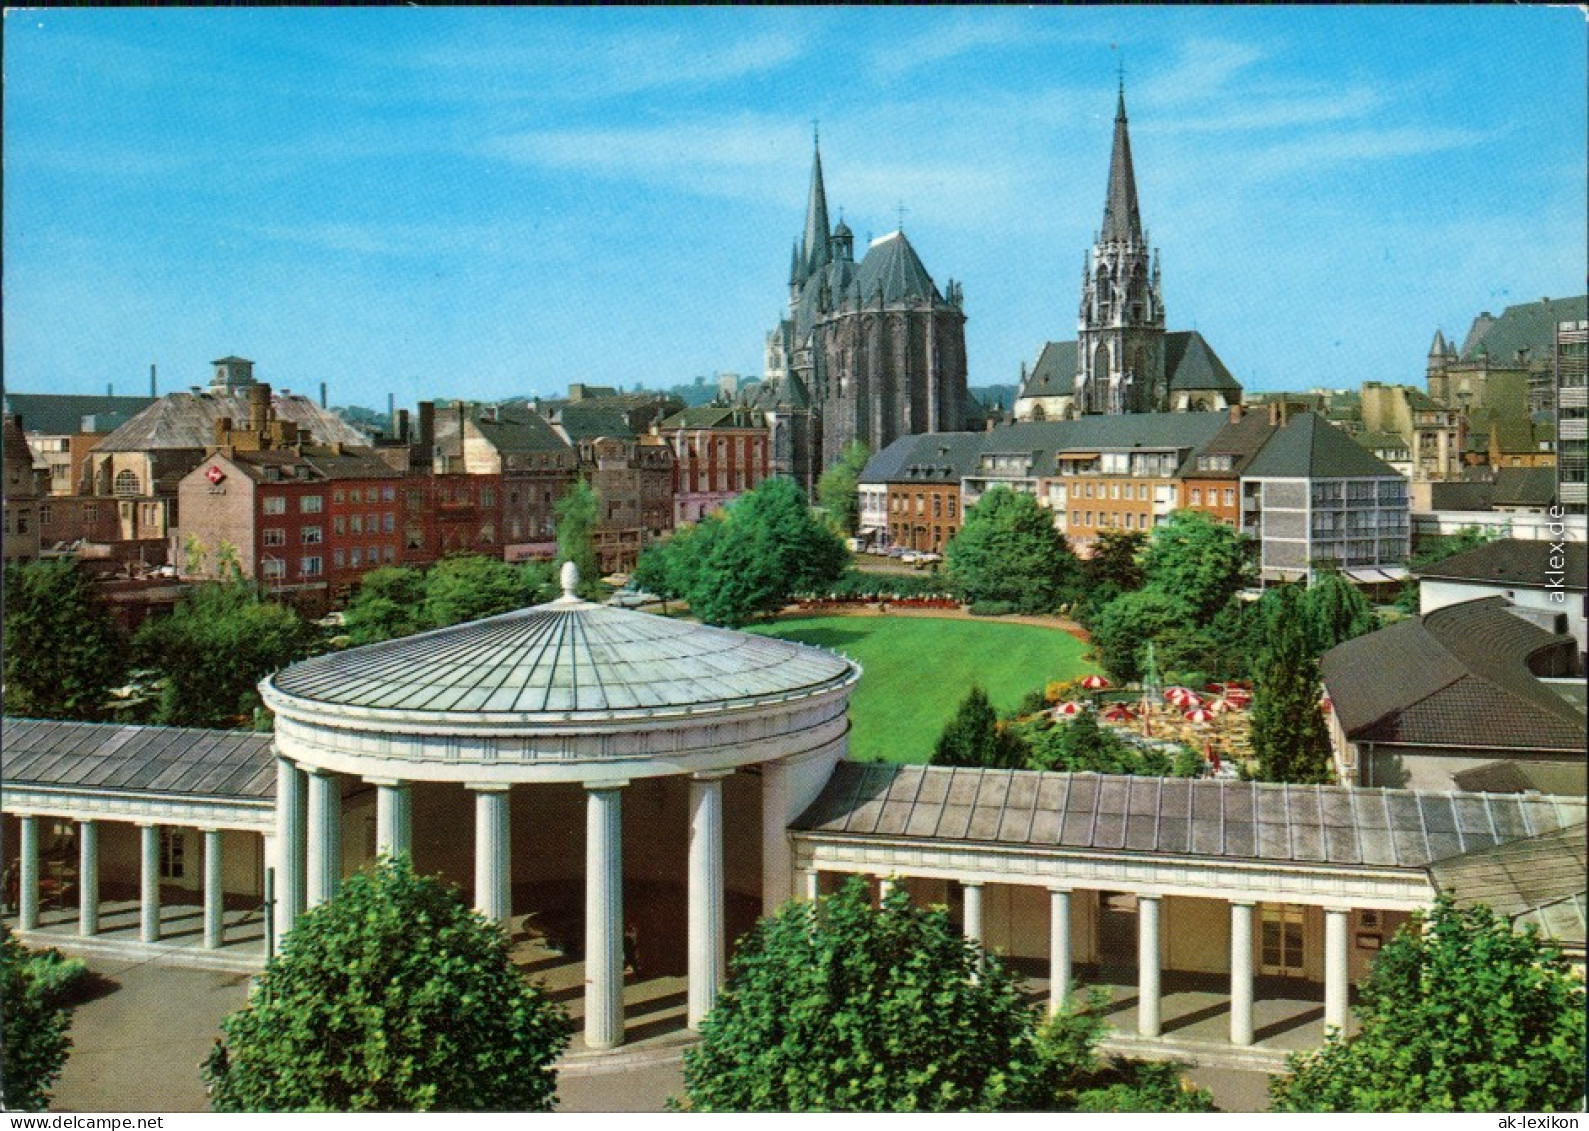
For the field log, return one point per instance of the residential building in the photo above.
(1452, 690)
(1210, 478)
(868, 352)
(62, 428)
(1571, 359)
(26, 487)
(1314, 495)
(1123, 360)
(1504, 365)
(719, 452)
(1433, 434)
(1544, 581)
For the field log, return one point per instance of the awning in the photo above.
(1076, 455)
(1377, 576)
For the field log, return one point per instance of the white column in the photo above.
(813, 884)
(1148, 1022)
(1336, 983)
(149, 883)
(1241, 972)
(1059, 962)
(885, 886)
(394, 816)
(777, 878)
(214, 892)
(325, 837)
(88, 877)
(289, 838)
(492, 879)
(28, 874)
(973, 912)
(707, 952)
(604, 915)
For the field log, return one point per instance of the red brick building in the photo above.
(719, 452)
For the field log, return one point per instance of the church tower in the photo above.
(1120, 331)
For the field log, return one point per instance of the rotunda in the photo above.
(526, 711)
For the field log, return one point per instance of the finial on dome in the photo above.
(570, 579)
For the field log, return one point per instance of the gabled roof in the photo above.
(1459, 495)
(186, 421)
(582, 423)
(1519, 562)
(1240, 439)
(1528, 325)
(716, 416)
(1455, 677)
(944, 456)
(51, 414)
(1159, 817)
(1054, 375)
(512, 431)
(893, 266)
(293, 466)
(1191, 363)
(1538, 880)
(1309, 447)
(1382, 442)
(1525, 487)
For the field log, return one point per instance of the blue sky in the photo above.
(485, 203)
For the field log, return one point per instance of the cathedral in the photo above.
(1123, 360)
(869, 351)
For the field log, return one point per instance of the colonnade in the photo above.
(88, 897)
(309, 847)
(1337, 985)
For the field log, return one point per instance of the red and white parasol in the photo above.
(1119, 713)
(1066, 710)
(1199, 715)
(1095, 683)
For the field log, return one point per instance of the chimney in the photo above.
(110, 389)
(391, 411)
(223, 431)
(152, 393)
(322, 394)
(402, 425)
(427, 431)
(1274, 414)
(1235, 413)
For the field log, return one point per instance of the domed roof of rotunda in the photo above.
(566, 657)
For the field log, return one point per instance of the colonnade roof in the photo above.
(1200, 817)
(179, 761)
(566, 658)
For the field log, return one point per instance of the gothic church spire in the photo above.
(815, 242)
(1121, 220)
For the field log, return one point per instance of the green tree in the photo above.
(388, 603)
(1008, 550)
(214, 648)
(63, 653)
(33, 1028)
(1438, 549)
(1115, 565)
(1459, 1013)
(1335, 611)
(975, 737)
(1122, 629)
(391, 997)
(466, 587)
(840, 1007)
(1289, 737)
(1201, 562)
(837, 490)
(576, 535)
(750, 558)
(655, 571)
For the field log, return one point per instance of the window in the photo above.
(356, 524)
(1129, 519)
(126, 483)
(373, 555)
(310, 504)
(1230, 496)
(44, 514)
(488, 533)
(953, 503)
(339, 525)
(274, 504)
(310, 535)
(388, 522)
(355, 558)
(414, 538)
(488, 497)
(275, 568)
(275, 536)
(1075, 518)
(310, 567)
(388, 494)
(1197, 496)
(389, 554)
(91, 513)
(1142, 491)
(338, 495)
(173, 853)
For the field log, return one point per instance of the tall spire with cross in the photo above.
(814, 245)
(1121, 220)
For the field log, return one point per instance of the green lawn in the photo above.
(917, 671)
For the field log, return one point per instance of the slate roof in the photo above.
(715, 416)
(1539, 880)
(1309, 447)
(562, 658)
(893, 265)
(1513, 561)
(61, 414)
(1054, 375)
(582, 423)
(182, 421)
(1205, 817)
(1121, 219)
(511, 430)
(1472, 495)
(1382, 442)
(350, 464)
(1455, 677)
(137, 759)
(1191, 363)
(1241, 439)
(1528, 325)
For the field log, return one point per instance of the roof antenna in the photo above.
(901, 210)
(816, 132)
